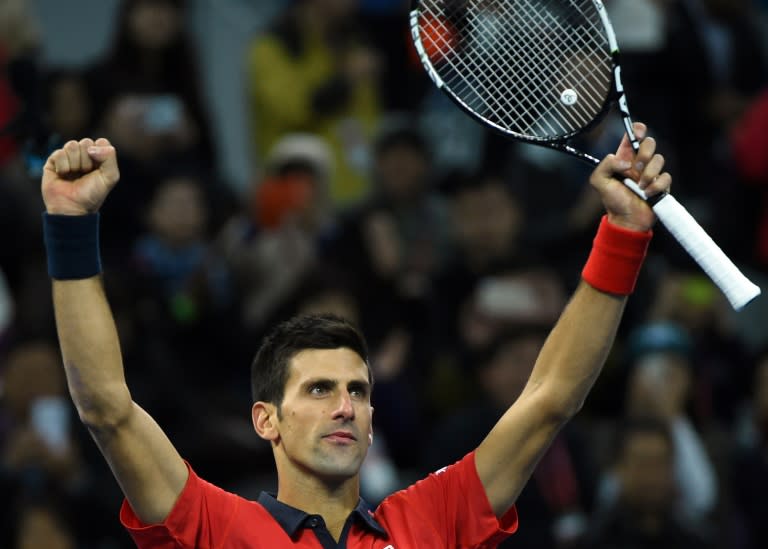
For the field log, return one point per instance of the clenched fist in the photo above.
(78, 177)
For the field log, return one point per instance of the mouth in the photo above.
(341, 437)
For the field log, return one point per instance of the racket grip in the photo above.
(738, 289)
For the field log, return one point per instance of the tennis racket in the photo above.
(543, 72)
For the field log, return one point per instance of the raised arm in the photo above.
(76, 180)
(578, 345)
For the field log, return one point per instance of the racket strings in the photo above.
(531, 94)
(541, 69)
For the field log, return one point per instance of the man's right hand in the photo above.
(78, 177)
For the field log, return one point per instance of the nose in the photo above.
(344, 408)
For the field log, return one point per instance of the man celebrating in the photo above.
(312, 387)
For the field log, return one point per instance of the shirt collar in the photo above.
(291, 519)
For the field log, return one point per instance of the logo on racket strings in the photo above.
(569, 97)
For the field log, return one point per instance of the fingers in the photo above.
(82, 157)
(647, 166)
(625, 150)
(653, 180)
(104, 154)
(72, 158)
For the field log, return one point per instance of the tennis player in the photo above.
(312, 391)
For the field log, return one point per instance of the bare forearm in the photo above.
(575, 351)
(91, 351)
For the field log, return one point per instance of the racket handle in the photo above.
(738, 289)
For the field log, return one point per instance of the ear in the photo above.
(370, 429)
(264, 417)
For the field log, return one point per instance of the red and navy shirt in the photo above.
(448, 509)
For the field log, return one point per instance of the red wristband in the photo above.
(616, 258)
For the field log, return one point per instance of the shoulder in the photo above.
(203, 512)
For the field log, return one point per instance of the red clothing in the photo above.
(749, 142)
(9, 108)
(448, 509)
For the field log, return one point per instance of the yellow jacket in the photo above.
(282, 87)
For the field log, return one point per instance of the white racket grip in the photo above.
(738, 289)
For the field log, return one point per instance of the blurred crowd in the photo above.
(373, 197)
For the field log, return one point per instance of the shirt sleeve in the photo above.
(452, 502)
(200, 518)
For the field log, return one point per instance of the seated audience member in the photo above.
(398, 238)
(642, 516)
(750, 467)
(659, 386)
(311, 72)
(68, 104)
(150, 96)
(270, 245)
(38, 446)
(556, 501)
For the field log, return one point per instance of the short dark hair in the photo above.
(402, 135)
(270, 367)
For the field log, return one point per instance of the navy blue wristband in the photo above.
(72, 245)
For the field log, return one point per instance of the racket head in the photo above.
(540, 71)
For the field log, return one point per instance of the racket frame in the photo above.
(616, 95)
(737, 288)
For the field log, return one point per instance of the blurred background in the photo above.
(290, 156)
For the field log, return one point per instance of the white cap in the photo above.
(302, 147)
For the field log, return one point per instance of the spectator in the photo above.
(185, 287)
(642, 515)
(43, 526)
(692, 302)
(311, 72)
(750, 467)
(555, 503)
(749, 146)
(660, 387)
(150, 97)
(18, 44)
(487, 223)
(39, 448)
(398, 238)
(68, 104)
(271, 245)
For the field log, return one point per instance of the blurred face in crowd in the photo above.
(40, 528)
(402, 172)
(646, 472)
(487, 222)
(659, 385)
(761, 396)
(33, 371)
(178, 214)
(154, 24)
(334, 9)
(336, 302)
(324, 423)
(505, 376)
(69, 107)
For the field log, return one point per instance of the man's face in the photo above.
(325, 423)
(646, 472)
(487, 220)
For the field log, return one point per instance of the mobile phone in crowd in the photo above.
(51, 421)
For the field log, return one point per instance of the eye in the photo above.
(318, 389)
(358, 392)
